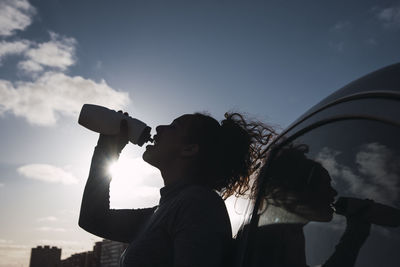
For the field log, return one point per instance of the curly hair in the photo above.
(230, 152)
(288, 173)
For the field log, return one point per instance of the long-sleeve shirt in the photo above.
(189, 227)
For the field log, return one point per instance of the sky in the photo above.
(157, 60)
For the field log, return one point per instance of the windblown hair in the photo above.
(288, 174)
(230, 152)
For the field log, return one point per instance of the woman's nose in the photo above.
(159, 128)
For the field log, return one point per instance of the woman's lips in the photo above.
(149, 146)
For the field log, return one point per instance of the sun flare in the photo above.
(119, 169)
(133, 182)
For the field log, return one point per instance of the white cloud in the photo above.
(47, 173)
(50, 229)
(57, 53)
(374, 174)
(381, 167)
(10, 48)
(54, 93)
(15, 15)
(47, 219)
(390, 16)
(50, 92)
(1, 185)
(327, 157)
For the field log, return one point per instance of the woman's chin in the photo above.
(319, 215)
(149, 157)
(324, 217)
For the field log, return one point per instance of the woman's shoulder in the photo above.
(201, 198)
(201, 193)
(203, 205)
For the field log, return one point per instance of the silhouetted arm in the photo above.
(346, 251)
(96, 216)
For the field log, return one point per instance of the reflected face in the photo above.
(169, 142)
(319, 197)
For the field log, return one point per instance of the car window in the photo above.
(354, 161)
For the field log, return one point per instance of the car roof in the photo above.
(384, 82)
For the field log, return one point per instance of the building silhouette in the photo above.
(83, 259)
(45, 257)
(105, 253)
(111, 252)
(97, 253)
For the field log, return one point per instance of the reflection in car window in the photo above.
(363, 160)
(360, 160)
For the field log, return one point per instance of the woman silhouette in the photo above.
(297, 190)
(190, 227)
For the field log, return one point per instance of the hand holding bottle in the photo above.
(116, 142)
(108, 122)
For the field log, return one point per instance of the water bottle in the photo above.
(373, 212)
(106, 121)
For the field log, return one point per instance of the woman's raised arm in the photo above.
(96, 216)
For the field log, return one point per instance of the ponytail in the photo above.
(244, 143)
(230, 152)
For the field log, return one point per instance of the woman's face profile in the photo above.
(317, 201)
(169, 142)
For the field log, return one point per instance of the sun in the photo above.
(132, 171)
(120, 169)
(134, 184)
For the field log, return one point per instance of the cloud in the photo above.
(327, 157)
(381, 167)
(1, 185)
(47, 219)
(49, 93)
(47, 173)
(50, 229)
(57, 53)
(390, 16)
(373, 175)
(15, 15)
(11, 48)
(54, 93)
(341, 26)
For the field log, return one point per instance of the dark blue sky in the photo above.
(158, 60)
(252, 55)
